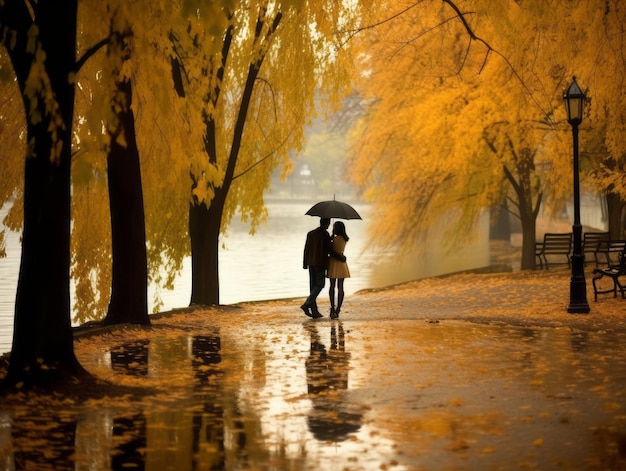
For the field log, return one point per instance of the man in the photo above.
(317, 250)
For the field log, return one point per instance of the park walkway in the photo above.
(465, 372)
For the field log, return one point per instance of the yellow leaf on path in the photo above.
(612, 406)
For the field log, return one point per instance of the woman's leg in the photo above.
(331, 295)
(340, 294)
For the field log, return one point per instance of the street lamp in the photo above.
(574, 99)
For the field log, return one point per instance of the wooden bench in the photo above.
(612, 272)
(554, 245)
(592, 242)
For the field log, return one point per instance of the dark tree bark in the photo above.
(205, 223)
(527, 209)
(204, 235)
(42, 353)
(526, 205)
(615, 206)
(129, 290)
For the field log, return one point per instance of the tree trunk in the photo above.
(43, 352)
(527, 209)
(129, 290)
(529, 227)
(615, 204)
(204, 230)
(205, 222)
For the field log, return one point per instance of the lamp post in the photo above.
(574, 100)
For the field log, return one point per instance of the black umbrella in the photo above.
(333, 209)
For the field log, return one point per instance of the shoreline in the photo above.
(599, 319)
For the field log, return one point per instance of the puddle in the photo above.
(398, 395)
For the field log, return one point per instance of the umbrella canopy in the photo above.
(333, 209)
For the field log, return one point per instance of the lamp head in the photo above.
(574, 99)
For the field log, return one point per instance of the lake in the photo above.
(268, 265)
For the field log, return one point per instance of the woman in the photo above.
(337, 270)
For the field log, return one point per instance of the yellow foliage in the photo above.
(171, 130)
(450, 109)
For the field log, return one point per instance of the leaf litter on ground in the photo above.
(440, 371)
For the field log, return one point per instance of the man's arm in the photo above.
(337, 255)
(305, 262)
(331, 251)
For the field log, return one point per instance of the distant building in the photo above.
(300, 183)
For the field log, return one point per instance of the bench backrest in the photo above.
(554, 243)
(611, 251)
(591, 240)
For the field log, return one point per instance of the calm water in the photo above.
(268, 265)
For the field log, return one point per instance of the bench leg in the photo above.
(616, 284)
(595, 288)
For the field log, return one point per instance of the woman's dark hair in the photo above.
(339, 228)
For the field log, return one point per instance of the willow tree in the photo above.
(599, 60)
(222, 95)
(262, 72)
(465, 102)
(126, 153)
(42, 46)
(129, 290)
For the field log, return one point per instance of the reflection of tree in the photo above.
(43, 442)
(208, 423)
(130, 434)
(333, 417)
(131, 358)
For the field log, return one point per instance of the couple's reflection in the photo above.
(333, 416)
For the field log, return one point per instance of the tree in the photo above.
(488, 128)
(260, 91)
(129, 290)
(42, 44)
(205, 221)
(116, 247)
(599, 59)
(518, 155)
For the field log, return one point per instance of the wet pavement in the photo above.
(469, 372)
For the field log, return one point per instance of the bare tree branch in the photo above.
(90, 52)
(462, 18)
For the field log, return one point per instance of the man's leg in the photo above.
(317, 280)
(320, 282)
(306, 307)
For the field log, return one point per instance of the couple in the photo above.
(322, 253)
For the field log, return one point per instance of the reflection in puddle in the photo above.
(131, 358)
(130, 441)
(207, 442)
(340, 395)
(42, 441)
(332, 417)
